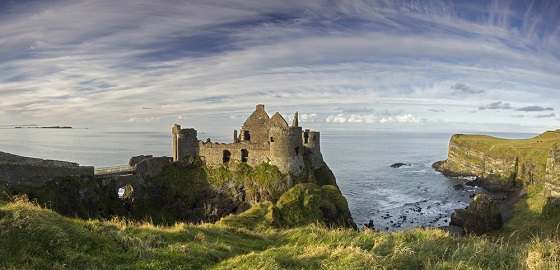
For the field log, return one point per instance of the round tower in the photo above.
(286, 148)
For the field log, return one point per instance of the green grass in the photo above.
(33, 237)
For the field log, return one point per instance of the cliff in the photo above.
(188, 191)
(499, 163)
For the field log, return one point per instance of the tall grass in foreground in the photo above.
(32, 237)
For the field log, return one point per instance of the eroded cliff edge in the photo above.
(499, 164)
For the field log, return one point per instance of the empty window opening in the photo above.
(227, 156)
(314, 138)
(244, 155)
(305, 137)
(246, 135)
(297, 151)
(271, 139)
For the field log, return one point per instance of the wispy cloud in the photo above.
(461, 88)
(496, 106)
(534, 109)
(545, 115)
(357, 61)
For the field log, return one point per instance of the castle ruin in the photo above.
(261, 139)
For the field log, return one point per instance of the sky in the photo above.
(486, 65)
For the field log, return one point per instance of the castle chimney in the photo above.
(235, 135)
(295, 122)
(260, 107)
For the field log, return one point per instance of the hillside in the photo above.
(38, 238)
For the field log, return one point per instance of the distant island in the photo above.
(44, 127)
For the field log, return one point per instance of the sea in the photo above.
(414, 195)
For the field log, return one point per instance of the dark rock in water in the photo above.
(368, 226)
(399, 164)
(436, 165)
(482, 215)
(458, 187)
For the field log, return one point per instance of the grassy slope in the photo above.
(34, 237)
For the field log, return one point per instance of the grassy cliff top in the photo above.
(533, 150)
(541, 142)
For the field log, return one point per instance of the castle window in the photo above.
(244, 155)
(271, 139)
(305, 137)
(227, 156)
(246, 136)
(297, 151)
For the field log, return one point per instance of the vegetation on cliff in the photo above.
(500, 163)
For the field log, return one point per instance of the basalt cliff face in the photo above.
(499, 164)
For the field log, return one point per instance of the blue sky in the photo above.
(342, 64)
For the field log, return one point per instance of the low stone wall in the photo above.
(7, 157)
(15, 174)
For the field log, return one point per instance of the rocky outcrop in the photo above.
(498, 164)
(309, 204)
(481, 216)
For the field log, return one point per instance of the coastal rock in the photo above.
(399, 164)
(482, 215)
(458, 187)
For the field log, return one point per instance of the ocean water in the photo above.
(393, 198)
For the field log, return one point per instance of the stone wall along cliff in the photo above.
(18, 170)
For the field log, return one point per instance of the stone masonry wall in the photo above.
(13, 174)
(213, 153)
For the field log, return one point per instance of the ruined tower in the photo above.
(286, 148)
(261, 139)
(185, 142)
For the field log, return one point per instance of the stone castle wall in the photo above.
(213, 153)
(15, 174)
(312, 143)
(20, 170)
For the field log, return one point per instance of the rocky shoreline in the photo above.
(506, 198)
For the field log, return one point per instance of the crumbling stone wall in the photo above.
(7, 157)
(20, 170)
(213, 153)
(150, 167)
(312, 143)
(15, 174)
